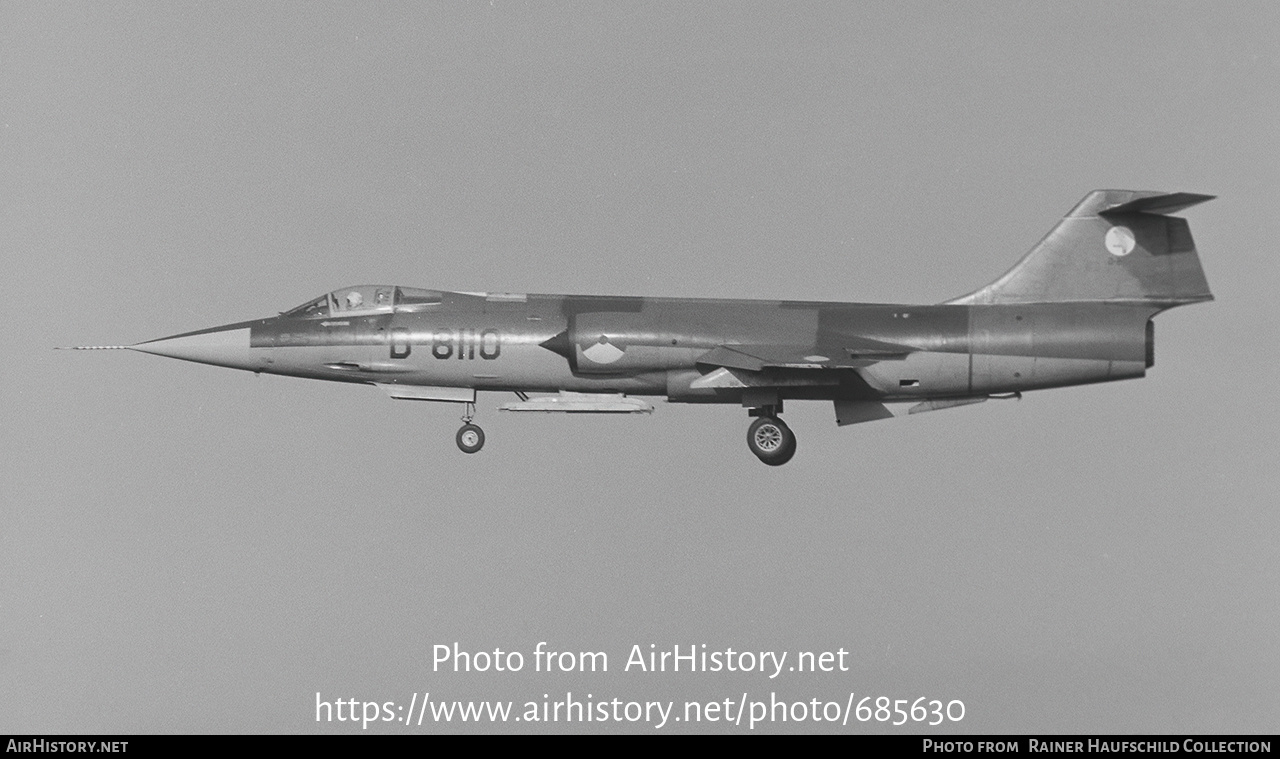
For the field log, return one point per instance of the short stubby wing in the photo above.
(848, 353)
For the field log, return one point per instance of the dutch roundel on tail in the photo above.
(1076, 309)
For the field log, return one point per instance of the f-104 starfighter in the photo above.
(1076, 309)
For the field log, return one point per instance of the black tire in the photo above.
(470, 438)
(771, 440)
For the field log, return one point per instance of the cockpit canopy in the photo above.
(367, 299)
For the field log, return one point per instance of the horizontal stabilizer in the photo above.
(1166, 203)
(582, 403)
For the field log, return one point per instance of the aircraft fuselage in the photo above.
(1076, 309)
(653, 346)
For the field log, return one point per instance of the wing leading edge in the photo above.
(851, 353)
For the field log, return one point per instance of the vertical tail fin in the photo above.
(1114, 246)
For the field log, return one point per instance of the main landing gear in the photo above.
(770, 439)
(470, 438)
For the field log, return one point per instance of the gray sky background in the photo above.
(185, 548)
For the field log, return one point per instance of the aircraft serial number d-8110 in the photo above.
(1077, 309)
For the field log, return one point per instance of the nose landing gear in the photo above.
(771, 440)
(470, 437)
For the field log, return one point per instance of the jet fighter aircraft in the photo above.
(1077, 309)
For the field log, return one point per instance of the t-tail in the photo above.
(1115, 246)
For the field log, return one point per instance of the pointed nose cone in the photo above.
(221, 346)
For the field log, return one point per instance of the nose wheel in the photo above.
(470, 437)
(771, 440)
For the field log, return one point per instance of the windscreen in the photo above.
(317, 307)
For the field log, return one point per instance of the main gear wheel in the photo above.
(771, 440)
